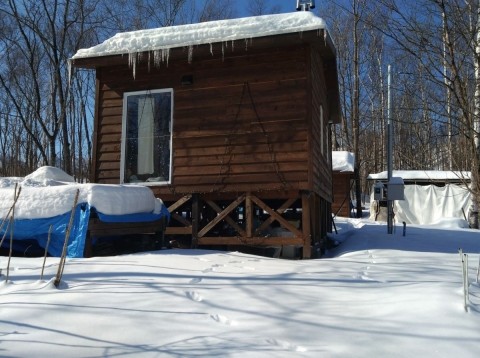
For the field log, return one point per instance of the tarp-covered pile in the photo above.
(46, 200)
(431, 197)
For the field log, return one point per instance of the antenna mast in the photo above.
(305, 5)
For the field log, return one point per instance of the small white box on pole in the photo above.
(395, 189)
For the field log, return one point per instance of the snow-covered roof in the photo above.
(343, 161)
(204, 33)
(423, 175)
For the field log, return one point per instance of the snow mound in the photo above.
(450, 223)
(49, 192)
(343, 161)
(47, 176)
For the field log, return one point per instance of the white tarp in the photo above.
(429, 204)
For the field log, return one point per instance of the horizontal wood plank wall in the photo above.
(322, 179)
(241, 125)
(341, 194)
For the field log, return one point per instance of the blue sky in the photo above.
(285, 5)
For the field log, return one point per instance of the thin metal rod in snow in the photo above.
(467, 283)
(464, 259)
(46, 250)
(478, 269)
(58, 277)
(12, 221)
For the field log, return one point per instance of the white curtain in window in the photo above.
(146, 112)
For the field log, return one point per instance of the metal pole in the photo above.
(305, 5)
(389, 151)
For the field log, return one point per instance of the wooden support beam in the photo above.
(173, 230)
(253, 241)
(220, 216)
(306, 225)
(249, 215)
(283, 222)
(180, 219)
(228, 219)
(315, 220)
(287, 204)
(179, 202)
(195, 219)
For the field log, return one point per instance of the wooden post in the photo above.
(316, 221)
(195, 219)
(88, 250)
(249, 215)
(306, 223)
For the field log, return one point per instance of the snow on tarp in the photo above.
(424, 175)
(343, 161)
(47, 198)
(210, 32)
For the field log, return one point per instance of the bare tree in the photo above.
(443, 38)
(39, 39)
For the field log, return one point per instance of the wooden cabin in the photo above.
(227, 122)
(343, 170)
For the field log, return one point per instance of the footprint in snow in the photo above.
(249, 268)
(196, 280)
(286, 345)
(194, 296)
(365, 277)
(222, 319)
(210, 269)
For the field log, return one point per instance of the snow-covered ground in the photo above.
(375, 295)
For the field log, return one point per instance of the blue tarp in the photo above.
(37, 229)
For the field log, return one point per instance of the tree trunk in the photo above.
(356, 110)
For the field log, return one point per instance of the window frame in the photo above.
(123, 148)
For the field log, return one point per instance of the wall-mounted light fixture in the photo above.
(187, 80)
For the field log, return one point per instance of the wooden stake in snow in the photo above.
(5, 233)
(58, 277)
(46, 250)
(15, 199)
(8, 215)
(12, 221)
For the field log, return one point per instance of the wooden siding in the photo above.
(341, 194)
(240, 126)
(320, 166)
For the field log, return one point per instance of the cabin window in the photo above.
(147, 137)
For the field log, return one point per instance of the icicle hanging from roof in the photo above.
(132, 62)
(161, 40)
(190, 53)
